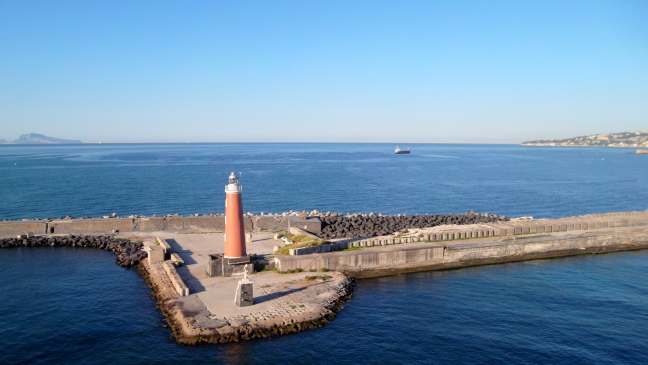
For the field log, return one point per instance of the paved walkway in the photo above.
(276, 296)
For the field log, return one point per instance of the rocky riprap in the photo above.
(371, 225)
(128, 253)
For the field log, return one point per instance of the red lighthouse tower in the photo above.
(234, 228)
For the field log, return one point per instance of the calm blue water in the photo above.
(71, 305)
(96, 180)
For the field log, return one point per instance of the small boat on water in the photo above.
(398, 151)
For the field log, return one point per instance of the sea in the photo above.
(75, 305)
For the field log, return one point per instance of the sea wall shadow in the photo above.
(194, 285)
(185, 254)
(271, 296)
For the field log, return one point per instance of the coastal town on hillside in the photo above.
(623, 139)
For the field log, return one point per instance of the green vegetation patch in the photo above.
(301, 240)
(291, 271)
(321, 277)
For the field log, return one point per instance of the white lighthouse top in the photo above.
(233, 186)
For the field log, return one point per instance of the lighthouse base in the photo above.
(220, 265)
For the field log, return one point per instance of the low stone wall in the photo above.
(78, 226)
(149, 224)
(359, 260)
(508, 248)
(12, 228)
(310, 250)
(175, 278)
(128, 253)
(330, 225)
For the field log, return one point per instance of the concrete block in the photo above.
(164, 246)
(155, 254)
(312, 224)
(244, 295)
(176, 259)
(177, 282)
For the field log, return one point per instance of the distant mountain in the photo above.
(622, 139)
(3, 141)
(35, 138)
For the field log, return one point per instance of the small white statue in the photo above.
(245, 274)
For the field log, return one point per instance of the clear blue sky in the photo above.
(322, 71)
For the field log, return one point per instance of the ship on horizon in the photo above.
(398, 151)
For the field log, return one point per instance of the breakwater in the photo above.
(413, 257)
(327, 225)
(298, 303)
(175, 223)
(129, 253)
(371, 225)
(297, 300)
(465, 245)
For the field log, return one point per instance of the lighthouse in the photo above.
(234, 228)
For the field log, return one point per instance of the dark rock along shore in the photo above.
(371, 225)
(128, 253)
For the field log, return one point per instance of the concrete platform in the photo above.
(282, 302)
(195, 248)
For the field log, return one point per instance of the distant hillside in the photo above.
(623, 139)
(35, 138)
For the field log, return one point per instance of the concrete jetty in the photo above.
(205, 312)
(308, 287)
(289, 302)
(465, 245)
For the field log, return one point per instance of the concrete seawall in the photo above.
(458, 246)
(495, 229)
(200, 309)
(152, 224)
(389, 260)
